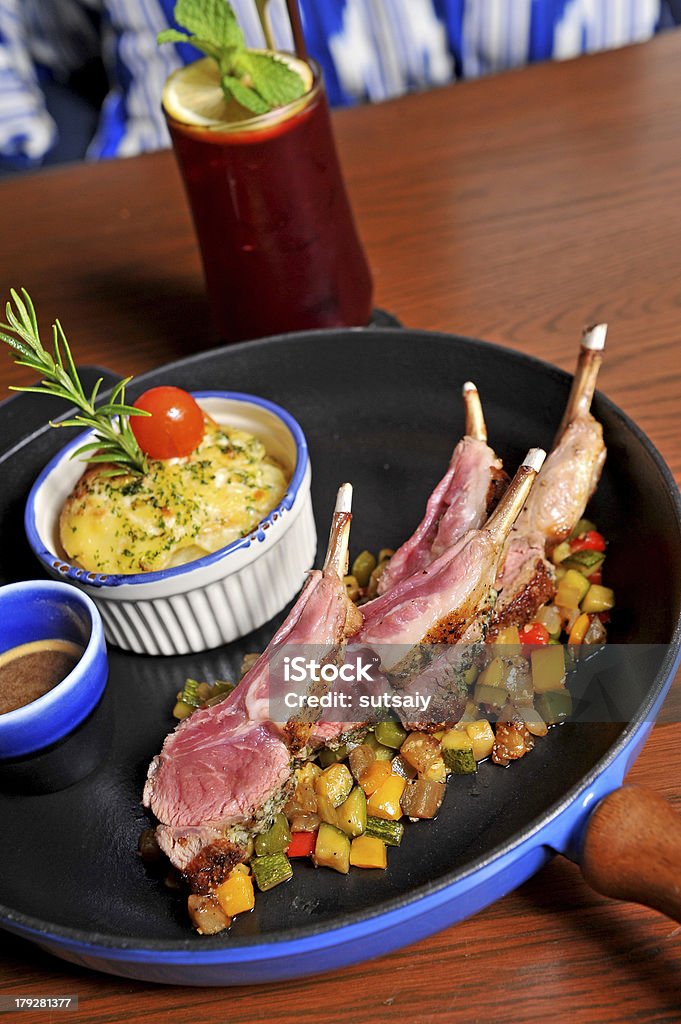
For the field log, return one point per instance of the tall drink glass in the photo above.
(278, 241)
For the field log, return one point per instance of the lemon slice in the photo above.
(193, 94)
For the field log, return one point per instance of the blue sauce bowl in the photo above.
(46, 610)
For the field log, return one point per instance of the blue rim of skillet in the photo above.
(68, 571)
(601, 778)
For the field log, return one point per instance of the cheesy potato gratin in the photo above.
(180, 510)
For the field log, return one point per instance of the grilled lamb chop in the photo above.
(557, 502)
(444, 601)
(225, 771)
(462, 500)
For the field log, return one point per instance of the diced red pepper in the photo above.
(534, 633)
(604, 617)
(302, 844)
(596, 577)
(591, 541)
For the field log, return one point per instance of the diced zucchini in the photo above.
(420, 750)
(351, 816)
(481, 735)
(571, 589)
(352, 588)
(327, 756)
(389, 832)
(548, 668)
(493, 696)
(368, 852)
(493, 674)
(271, 870)
(583, 526)
(586, 562)
(335, 782)
(470, 675)
(390, 734)
(460, 762)
(456, 739)
(385, 802)
(598, 599)
(560, 553)
(362, 567)
(554, 705)
(275, 839)
(381, 753)
(332, 849)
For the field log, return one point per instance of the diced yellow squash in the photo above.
(456, 739)
(374, 777)
(578, 631)
(332, 849)
(561, 552)
(493, 674)
(548, 668)
(481, 735)
(368, 852)
(438, 734)
(571, 589)
(242, 869)
(235, 895)
(436, 772)
(509, 639)
(598, 599)
(385, 801)
(335, 783)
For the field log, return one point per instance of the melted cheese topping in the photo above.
(182, 509)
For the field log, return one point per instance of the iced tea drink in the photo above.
(278, 241)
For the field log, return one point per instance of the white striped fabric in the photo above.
(369, 50)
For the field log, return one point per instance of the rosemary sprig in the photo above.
(114, 441)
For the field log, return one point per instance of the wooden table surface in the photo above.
(514, 209)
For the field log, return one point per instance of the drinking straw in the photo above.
(297, 29)
(300, 47)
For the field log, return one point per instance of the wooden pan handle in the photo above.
(632, 850)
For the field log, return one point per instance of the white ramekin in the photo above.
(217, 598)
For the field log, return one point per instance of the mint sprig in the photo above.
(257, 81)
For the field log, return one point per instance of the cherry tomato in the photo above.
(302, 844)
(534, 633)
(175, 426)
(591, 541)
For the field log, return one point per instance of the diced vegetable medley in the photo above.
(350, 804)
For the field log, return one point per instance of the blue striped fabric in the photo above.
(369, 49)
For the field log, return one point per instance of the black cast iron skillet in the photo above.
(380, 408)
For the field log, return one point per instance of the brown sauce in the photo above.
(31, 670)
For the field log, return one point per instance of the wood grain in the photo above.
(632, 850)
(515, 209)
